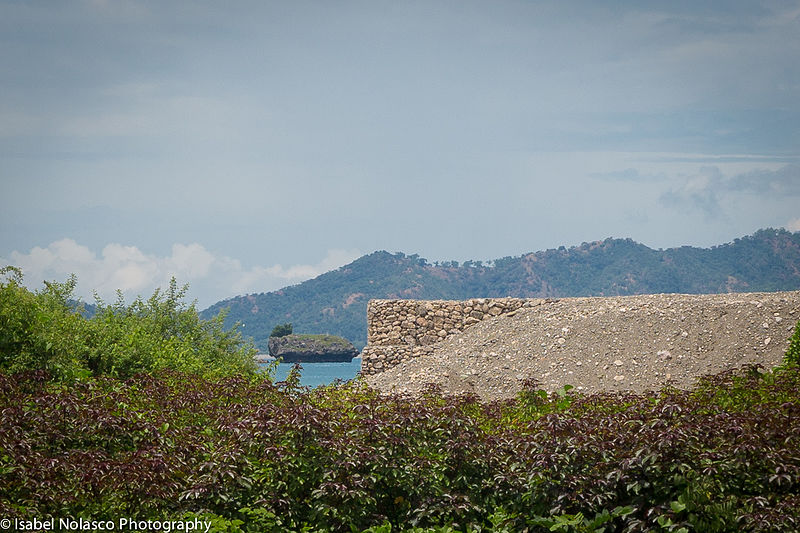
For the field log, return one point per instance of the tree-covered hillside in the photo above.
(335, 302)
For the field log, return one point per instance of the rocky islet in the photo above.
(311, 349)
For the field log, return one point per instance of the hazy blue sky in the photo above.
(247, 145)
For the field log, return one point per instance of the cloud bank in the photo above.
(705, 190)
(136, 273)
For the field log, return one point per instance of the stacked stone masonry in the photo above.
(398, 330)
(401, 330)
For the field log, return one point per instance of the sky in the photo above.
(243, 146)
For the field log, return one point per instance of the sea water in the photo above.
(316, 374)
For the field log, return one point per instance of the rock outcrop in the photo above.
(312, 349)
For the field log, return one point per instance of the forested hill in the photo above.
(336, 302)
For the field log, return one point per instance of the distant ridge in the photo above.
(335, 302)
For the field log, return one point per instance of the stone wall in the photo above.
(597, 344)
(398, 330)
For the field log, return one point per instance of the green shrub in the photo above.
(43, 330)
(792, 356)
(281, 330)
(163, 333)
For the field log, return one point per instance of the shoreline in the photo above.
(265, 358)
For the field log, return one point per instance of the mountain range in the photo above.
(335, 302)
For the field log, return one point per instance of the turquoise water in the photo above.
(315, 374)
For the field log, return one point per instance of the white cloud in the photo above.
(793, 225)
(699, 191)
(193, 259)
(629, 174)
(130, 270)
(706, 189)
(782, 181)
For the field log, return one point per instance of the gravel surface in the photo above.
(635, 343)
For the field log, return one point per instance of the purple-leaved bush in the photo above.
(722, 457)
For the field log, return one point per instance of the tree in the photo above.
(281, 330)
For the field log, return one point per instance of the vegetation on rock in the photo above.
(311, 348)
(281, 330)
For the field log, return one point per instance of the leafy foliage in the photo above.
(250, 455)
(281, 330)
(44, 330)
(793, 352)
(149, 412)
(336, 302)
